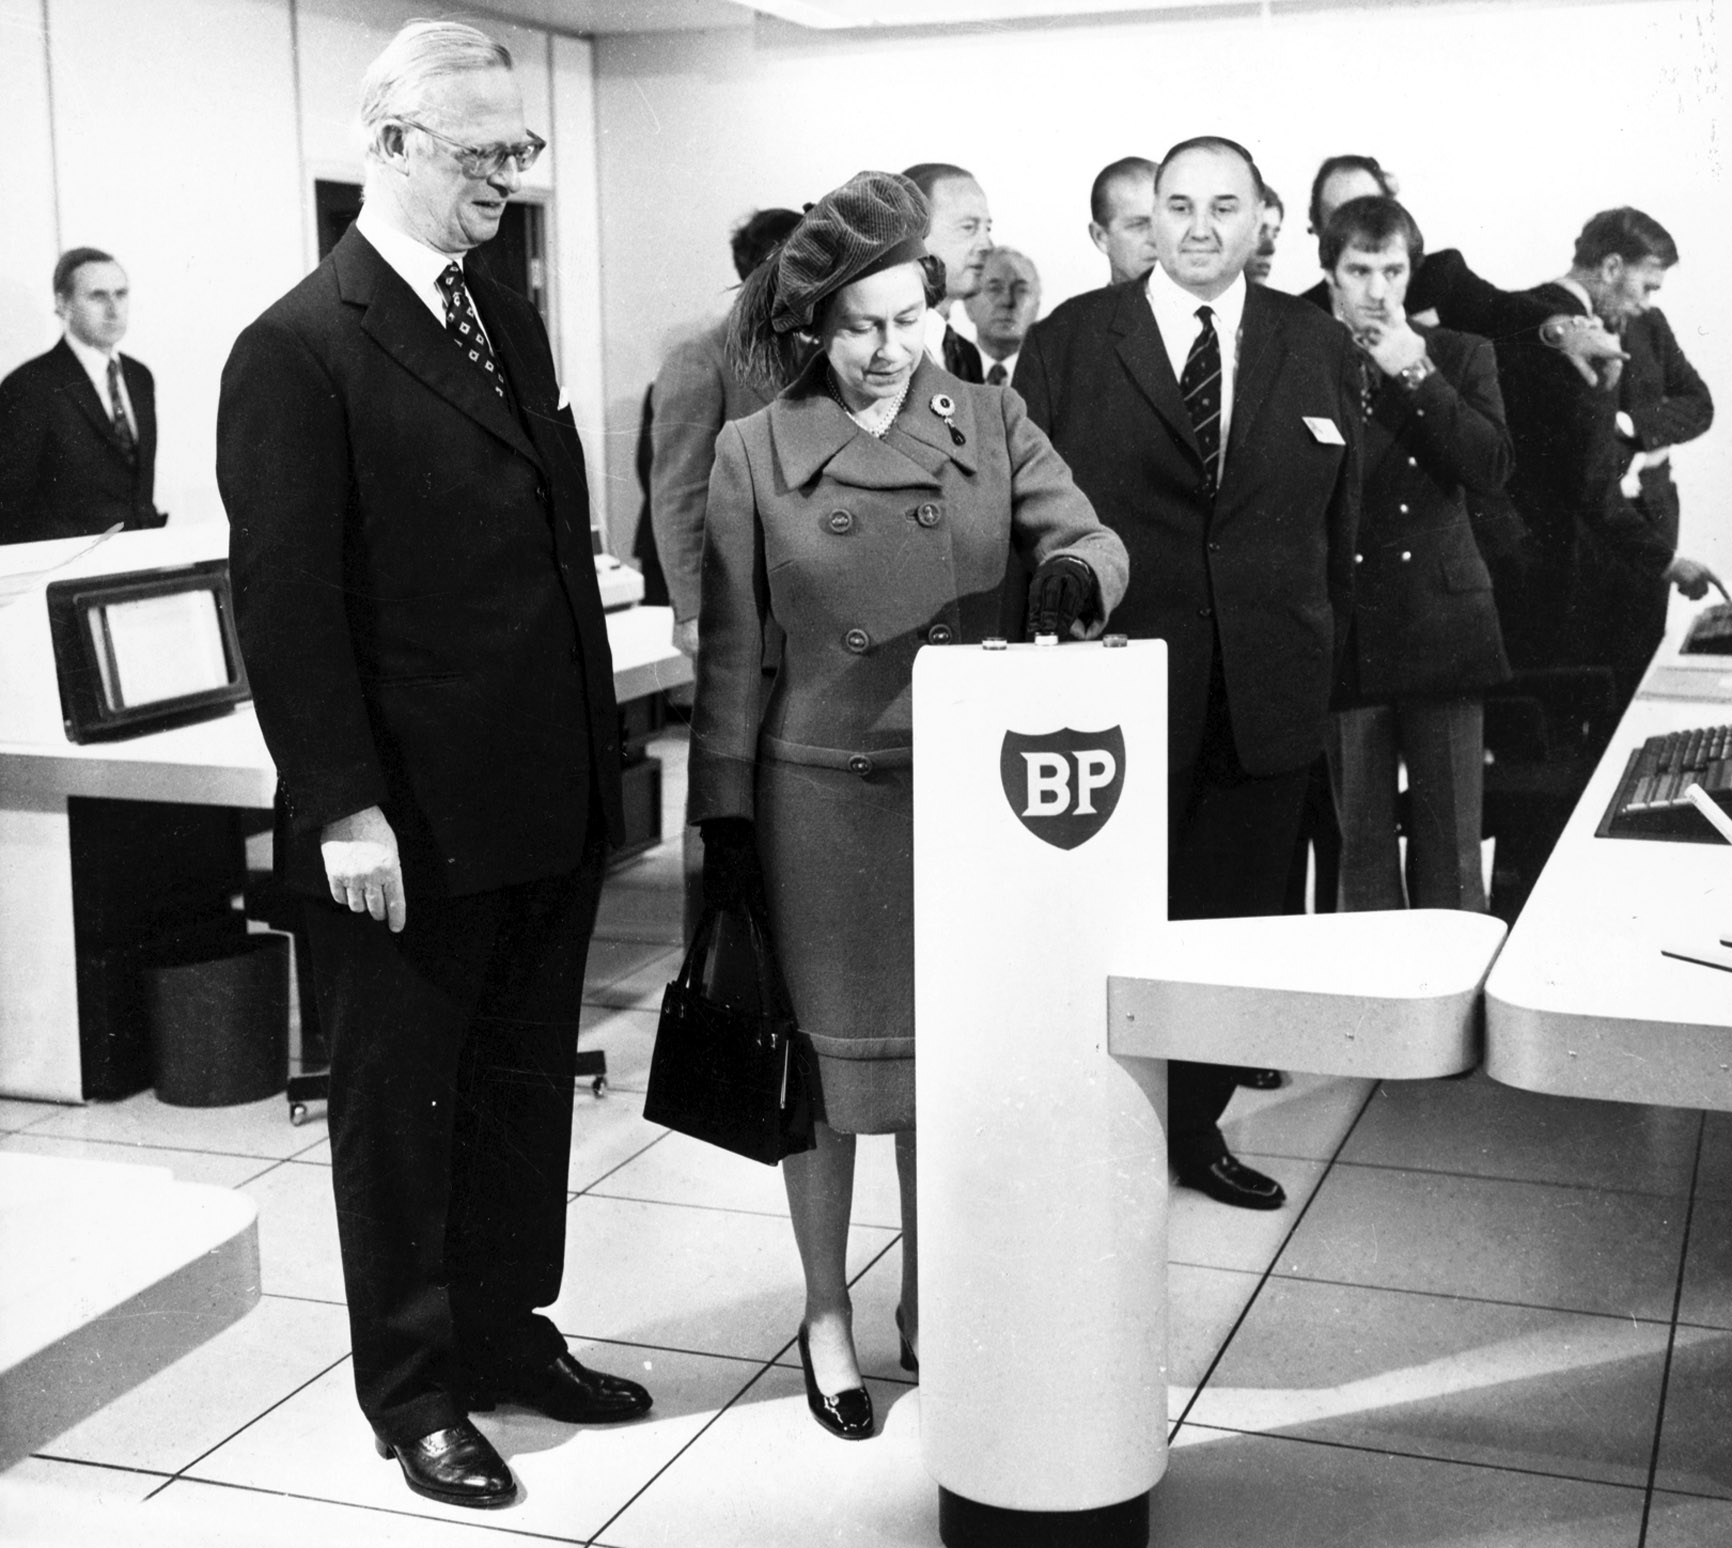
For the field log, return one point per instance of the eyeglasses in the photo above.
(484, 161)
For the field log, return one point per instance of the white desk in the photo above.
(1581, 1002)
(219, 762)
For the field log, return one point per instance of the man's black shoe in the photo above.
(1232, 1182)
(457, 1465)
(566, 1391)
(1258, 1080)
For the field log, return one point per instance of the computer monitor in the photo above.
(140, 651)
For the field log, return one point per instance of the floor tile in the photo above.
(1549, 1392)
(1485, 1129)
(1707, 1289)
(43, 1489)
(1680, 1521)
(171, 1420)
(298, 1232)
(629, 975)
(190, 1512)
(1219, 1236)
(1203, 1307)
(766, 1475)
(195, 1166)
(251, 1129)
(684, 1278)
(682, 1170)
(571, 1478)
(16, 1114)
(642, 913)
(628, 1039)
(1245, 1491)
(1696, 1429)
(606, 1133)
(1531, 1243)
(1714, 1170)
(1306, 1116)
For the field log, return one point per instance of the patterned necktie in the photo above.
(464, 326)
(117, 408)
(1200, 386)
(996, 376)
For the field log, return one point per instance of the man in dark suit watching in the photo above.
(1003, 310)
(960, 234)
(1122, 217)
(1214, 425)
(78, 425)
(421, 625)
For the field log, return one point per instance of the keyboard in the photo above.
(1650, 801)
(1710, 632)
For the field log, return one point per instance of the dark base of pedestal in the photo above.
(965, 1523)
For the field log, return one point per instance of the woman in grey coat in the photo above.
(876, 506)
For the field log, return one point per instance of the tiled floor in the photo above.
(1485, 1318)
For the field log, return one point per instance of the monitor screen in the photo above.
(139, 651)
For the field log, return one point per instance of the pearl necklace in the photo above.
(876, 431)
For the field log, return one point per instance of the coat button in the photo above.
(1413, 462)
(860, 764)
(857, 640)
(1214, 548)
(927, 515)
(1359, 558)
(1404, 510)
(1406, 554)
(1205, 612)
(841, 521)
(939, 634)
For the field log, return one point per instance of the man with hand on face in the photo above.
(1003, 310)
(1215, 427)
(418, 611)
(1122, 217)
(960, 235)
(78, 424)
(1425, 643)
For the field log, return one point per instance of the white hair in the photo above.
(396, 82)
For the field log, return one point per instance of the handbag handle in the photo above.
(772, 993)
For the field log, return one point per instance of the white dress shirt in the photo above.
(936, 323)
(1175, 310)
(418, 264)
(95, 363)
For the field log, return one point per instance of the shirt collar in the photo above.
(936, 323)
(1176, 307)
(419, 265)
(1580, 292)
(94, 360)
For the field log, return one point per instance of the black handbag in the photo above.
(728, 1068)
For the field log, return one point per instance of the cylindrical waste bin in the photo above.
(219, 1019)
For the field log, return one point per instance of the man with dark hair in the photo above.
(696, 392)
(1587, 540)
(418, 610)
(1268, 234)
(78, 424)
(1122, 217)
(1003, 310)
(1425, 643)
(1214, 426)
(960, 234)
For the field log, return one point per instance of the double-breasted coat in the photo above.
(1424, 621)
(862, 551)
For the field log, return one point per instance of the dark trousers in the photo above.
(452, 1047)
(1230, 849)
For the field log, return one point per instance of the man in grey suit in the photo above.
(696, 393)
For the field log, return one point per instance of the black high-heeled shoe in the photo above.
(910, 1360)
(847, 1414)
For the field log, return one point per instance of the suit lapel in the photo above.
(79, 389)
(1262, 346)
(398, 322)
(1144, 355)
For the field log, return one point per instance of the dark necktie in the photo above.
(117, 408)
(961, 359)
(464, 326)
(1200, 387)
(996, 377)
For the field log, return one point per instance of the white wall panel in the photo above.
(27, 236)
(175, 128)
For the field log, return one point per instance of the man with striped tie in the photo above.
(78, 424)
(1214, 425)
(1003, 310)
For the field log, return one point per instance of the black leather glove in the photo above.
(733, 877)
(1063, 589)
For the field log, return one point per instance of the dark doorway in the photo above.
(516, 257)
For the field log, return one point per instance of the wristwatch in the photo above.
(1411, 376)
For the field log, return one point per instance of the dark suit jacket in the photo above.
(62, 470)
(1667, 402)
(1267, 568)
(414, 584)
(1424, 621)
(962, 358)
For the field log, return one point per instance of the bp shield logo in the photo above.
(1063, 786)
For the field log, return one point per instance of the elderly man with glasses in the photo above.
(420, 621)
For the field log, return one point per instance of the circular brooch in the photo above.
(944, 406)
